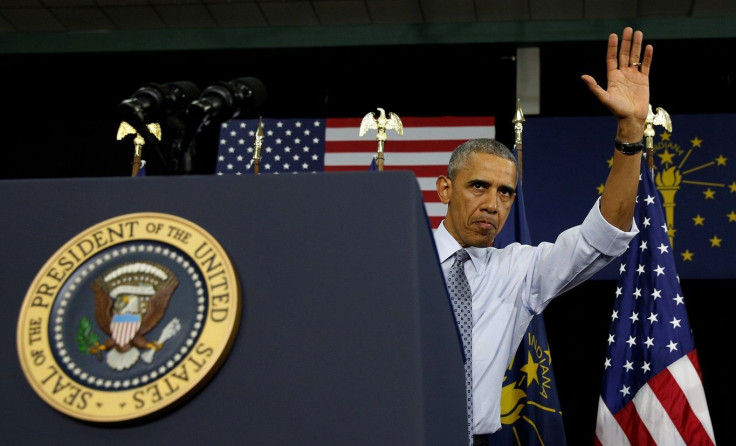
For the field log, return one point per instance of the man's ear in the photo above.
(444, 187)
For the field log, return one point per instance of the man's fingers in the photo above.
(612, 53)
(593, 86)
(624, 53)
(646, 62)
(636, 48)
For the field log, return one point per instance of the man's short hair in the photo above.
(460, 155)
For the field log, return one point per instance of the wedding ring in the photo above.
(635, 64)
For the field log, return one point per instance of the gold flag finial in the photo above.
(518, 122)
(381, 123)
(126, 129)
(660, 118)
(257, 147)
(669, 179)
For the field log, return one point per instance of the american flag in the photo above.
(304, 145)
(652, 390)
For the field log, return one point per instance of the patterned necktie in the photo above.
(457, 285)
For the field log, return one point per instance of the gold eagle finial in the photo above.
(381, 123)
(661, 118)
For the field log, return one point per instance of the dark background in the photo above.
(61, 120)
(61, 115)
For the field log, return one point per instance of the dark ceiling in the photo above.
(67, 64)
(33, 16)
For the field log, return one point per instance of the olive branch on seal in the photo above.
(86, 338)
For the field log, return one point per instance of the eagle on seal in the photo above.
(130, 301)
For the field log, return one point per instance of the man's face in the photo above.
(479, 199)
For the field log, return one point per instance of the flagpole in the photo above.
(661, 118)
(126, 129)
(137, 154)
(531, 412)
(257, 147)
(518, 122)
(379, 154)
(381, 123)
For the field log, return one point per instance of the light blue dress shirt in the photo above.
(512, 284)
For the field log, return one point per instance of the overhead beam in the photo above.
(519, 32)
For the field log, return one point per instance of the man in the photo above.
(510, 285)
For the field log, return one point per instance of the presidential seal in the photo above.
(129, 318)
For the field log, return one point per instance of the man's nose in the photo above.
(490, 202)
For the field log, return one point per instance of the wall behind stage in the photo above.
(60, 117)
(60, 120)
(64, 120)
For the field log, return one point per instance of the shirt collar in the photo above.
(446, 243)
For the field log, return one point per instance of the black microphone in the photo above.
(159, 103)
(219, 102)
(155, 102)
(222, 101)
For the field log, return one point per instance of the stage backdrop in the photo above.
(565, 164)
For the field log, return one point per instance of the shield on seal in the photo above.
(124, 328)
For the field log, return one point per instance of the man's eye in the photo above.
(505, 193)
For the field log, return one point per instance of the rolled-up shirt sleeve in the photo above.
(574, 257)
(605, 237)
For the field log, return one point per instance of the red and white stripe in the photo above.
(124, 332)
(670, 410)
(424, 148)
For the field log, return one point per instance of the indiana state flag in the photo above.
(530, 407)
(694, 171)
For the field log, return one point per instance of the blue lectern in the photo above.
(346, 334)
